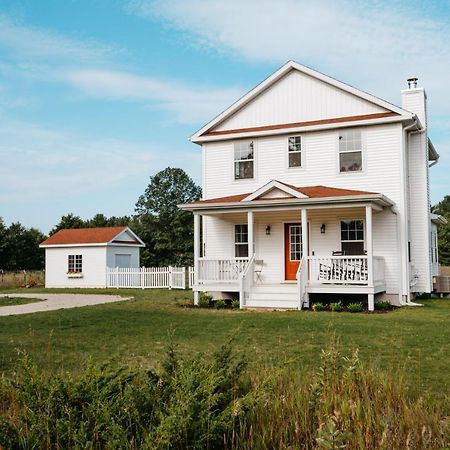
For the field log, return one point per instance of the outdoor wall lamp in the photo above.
(268, 230)
(322, 229)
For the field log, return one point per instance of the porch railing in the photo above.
(343, 269)
(220, 270)
(302, 280)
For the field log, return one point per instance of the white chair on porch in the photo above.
(258, 269)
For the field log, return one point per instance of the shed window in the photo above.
(241, 241)
(295, 151)
(352, 237)
(243, 160)
(350, 151)
(75, 264)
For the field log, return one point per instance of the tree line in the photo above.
(166, 230)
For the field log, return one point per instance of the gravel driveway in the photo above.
(56, 301)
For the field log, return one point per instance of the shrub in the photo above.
(220, 304)
(337, 306)
(355, 307)
(318, 307)
(235, 304)
(192, 403)
(383, 306)
(204, 300)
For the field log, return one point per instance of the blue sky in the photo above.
(98, 95)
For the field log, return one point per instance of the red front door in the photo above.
(292, 249)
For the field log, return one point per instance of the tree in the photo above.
(69, 221)
(166, 230)
(19, 247)
(443, 208)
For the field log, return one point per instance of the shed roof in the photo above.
(83, 236)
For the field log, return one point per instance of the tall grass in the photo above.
(213, 403)
(22, 278)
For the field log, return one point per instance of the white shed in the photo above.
(79, 257)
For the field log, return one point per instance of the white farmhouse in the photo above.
(311, 186)
(80, 257)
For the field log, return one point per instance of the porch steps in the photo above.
(283, 296)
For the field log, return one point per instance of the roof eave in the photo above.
(281, 131)
(380, 199)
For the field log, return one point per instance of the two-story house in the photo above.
(311, 186)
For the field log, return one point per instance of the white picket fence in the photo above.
(147, 277)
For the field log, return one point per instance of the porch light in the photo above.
(322, 229)
(268, 230)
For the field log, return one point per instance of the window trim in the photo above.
(363, 152)
(301, 151)
(363, 240)
(234, 161)
(235, 244)
(76, 264)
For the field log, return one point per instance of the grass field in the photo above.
(415, 341)
(12, 301)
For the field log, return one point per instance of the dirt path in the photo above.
(56, 301)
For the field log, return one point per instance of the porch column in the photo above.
(250, 226)
(369, 241)
(197, 219)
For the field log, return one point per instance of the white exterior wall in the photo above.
(113, 250)
(94, 267)
(419, 195)
(298, 97)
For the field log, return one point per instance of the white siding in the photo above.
(298, 97)
(94, 267)
(419, 197)
(121, 250)
(320, 163)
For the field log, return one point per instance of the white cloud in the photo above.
(41, 163)
(375, 45)
(37, 44)
(187, 104)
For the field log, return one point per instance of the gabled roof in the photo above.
(392, 110)
(292, 194)
(93, 236)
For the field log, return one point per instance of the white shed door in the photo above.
(123, 260)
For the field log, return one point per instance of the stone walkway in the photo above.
(56, 301)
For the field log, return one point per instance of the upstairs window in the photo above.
(350, 151)
(75, 264)
(243, 160)
(352, 237)
(295, 151)
(241, 241)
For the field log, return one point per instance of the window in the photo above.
(241, 241)
(295, 151)
(75, 264)
(243, 159)
(295, 242)
(352, 237)
(350, 151)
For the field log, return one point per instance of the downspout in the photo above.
(394, 209)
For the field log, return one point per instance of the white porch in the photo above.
(260, 278)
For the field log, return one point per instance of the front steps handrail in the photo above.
(246, 281)
(301, 282)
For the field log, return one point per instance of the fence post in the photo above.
(184, 277)
(170, 277)
(142, 272)
(117, 277)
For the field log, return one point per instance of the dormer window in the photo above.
(243, 160)
(295, 151)
(350, 151)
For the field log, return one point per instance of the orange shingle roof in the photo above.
(309, 191)
(100, 235)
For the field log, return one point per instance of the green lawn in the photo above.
(413, 340)
(12, 301)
